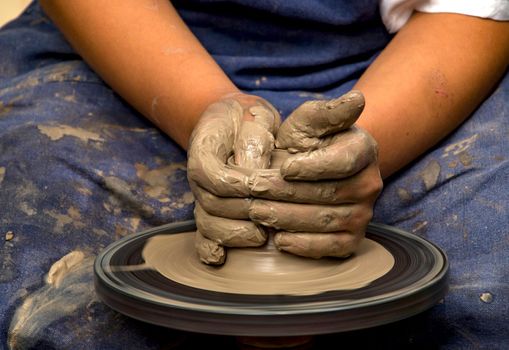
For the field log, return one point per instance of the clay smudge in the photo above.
(404, 195)
(498, 207)
(57, 73)
(122, 128)
(68, 288)
(69, 98)
(465, 158)
(420, 226)
(25, 208)
(72, 216)
(460, 146)
(57, 132)
(123, 197)
(84, 191)
(59, 269)
(177, 203)
(9, 235)
(158, 180)
(154, 110)
(7, 266)
(121, 231)
(313, 95)
(453, 164)
(135, 223)
(430, 174)
(486, 297)
(99, 232)
(261, 80)
(2, 174)
(4, 108)
(27, 190)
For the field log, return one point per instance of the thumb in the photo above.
(313, 120)
(255, 139)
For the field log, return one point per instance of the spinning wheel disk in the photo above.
(416, 281)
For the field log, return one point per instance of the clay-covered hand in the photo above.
(322, 199)
(244, 126)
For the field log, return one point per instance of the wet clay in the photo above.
(239, 125)
(308, 126)
(264, 270)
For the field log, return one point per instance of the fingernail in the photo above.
(258, 184)
(280, 241)
(259, 236)
(290, 169)
(262, 213)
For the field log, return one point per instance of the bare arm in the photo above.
(146, 53)
(428, 80)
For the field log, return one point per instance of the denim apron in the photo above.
(79, 169)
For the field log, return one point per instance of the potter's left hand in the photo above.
(323, 199)
(244, 126)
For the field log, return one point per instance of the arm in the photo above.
(146, 53)
(428, 80)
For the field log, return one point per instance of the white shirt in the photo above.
(395, 13)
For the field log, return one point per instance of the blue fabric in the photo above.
(79, 169)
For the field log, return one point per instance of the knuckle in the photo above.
(344, 245)
(360, 219)
(332, 220)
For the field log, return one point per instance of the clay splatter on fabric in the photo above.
(71, 217)
(2, 174)
(158, 180)
(430, 174)
(25, 208)
(67, 289)
(404, 195)
(123, 196)
(57, 132)
(460, 146)
(8, 269)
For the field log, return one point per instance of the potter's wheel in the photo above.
(416, 282)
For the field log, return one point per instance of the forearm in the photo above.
(146, 53)
(428, 80)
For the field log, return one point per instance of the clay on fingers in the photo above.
(228, 232)
(232, 208)
(210, 146)
(271, 185)
(300, 217)
(210, 252)
(319, 245)
(348, 153)
(253, 146)
(307, 127)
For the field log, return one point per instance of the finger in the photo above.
(254, 146)
(365, 185)
(255, 140)
(319, 245)
(306, 127)
(350, 152)
(210, 146)
(228, 232)
(300, 217)
(232, 208)
(210, 252)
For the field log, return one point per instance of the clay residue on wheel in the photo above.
(264, 270)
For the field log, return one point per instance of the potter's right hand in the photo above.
(238, 124)
(322, 197)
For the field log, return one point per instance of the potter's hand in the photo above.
(322, 199)
(239, 124)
